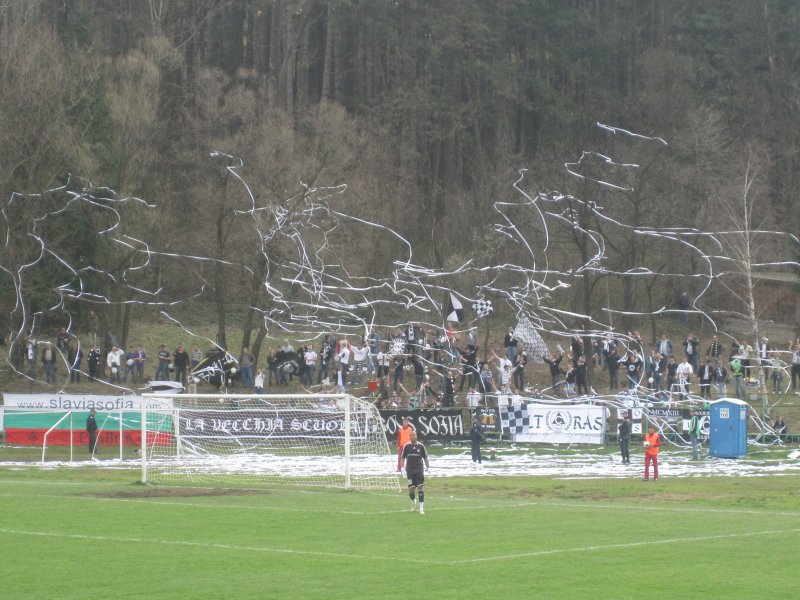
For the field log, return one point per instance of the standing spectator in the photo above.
(691, 346)
(181, 362)
(580, 377)
(486, 379)
(776, 373)
(94, 360)
(139, 358)
(399, 366)
(468, 360)
(91, 429)
(652, 442)
(664, 346)
(360, 355)
(325, 357)
(113, 362)
(612, 364)
(129, 369)
(310, 360)
(659, 366)
(196, 357)
(519, 371)
(449, 388)
(473, 398)
(340, 379)
(720, 379)
(373, 344)
(764, 349)
(510, 345)
(414, 454)
(556, 373)
(272, 366)
(476, 436)
(258, 382)
(569, 378)
(74, 358)
(403, 437)
(30, 357)
(694, 433)
(737, 370)
(624, 433)
(633, 368)
(343, 357)
(383, 362)
(684, 373)
(704, 377)
(246, 361)
(672, 374)
(49, 363)
(164, 358)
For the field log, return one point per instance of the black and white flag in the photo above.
(455, 311)
(482, 307)
(526, 333)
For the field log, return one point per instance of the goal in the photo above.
(244, 440)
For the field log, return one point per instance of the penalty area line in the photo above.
(213, 546)
(593, 548)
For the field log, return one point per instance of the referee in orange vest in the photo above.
(652, 442)
(403, 437)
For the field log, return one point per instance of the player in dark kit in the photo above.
(414, 455)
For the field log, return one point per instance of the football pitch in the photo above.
(83, 532)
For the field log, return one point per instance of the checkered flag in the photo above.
(526, 333)
(482, 308)
(514, 419)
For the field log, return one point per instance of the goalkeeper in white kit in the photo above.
(414, 456)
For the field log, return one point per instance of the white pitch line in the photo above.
(648, 542)
(128, 540)
(372, 557)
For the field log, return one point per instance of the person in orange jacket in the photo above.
(403, 437)
(652, 442)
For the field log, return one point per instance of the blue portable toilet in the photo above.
(728, 433)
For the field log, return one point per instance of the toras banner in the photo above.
(555, 423)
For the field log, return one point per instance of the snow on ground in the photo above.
(542, 462)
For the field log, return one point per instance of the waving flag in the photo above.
(482, 308)
(455, 312)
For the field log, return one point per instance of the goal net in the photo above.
(256, 440)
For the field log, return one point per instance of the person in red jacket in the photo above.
(652, 442)
(403, 437)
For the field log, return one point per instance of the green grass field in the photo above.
(88, 532)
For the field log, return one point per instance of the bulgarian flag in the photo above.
(29, 428)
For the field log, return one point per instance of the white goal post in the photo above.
(246, 440)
